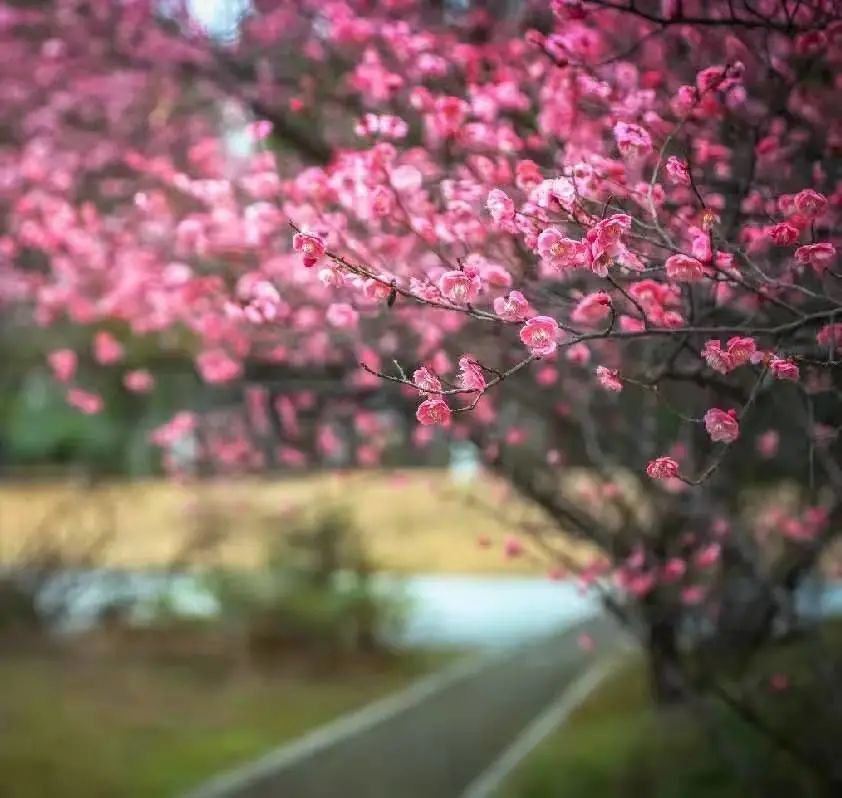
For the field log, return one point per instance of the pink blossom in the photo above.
(784, 369)
(810, 203)
(265, 302)
(678, 171)
(779, 682)
(449, 113)
(327, 441)
(178, 427)
(546, 376)
(331, 277)
(830, 335)
(720, 528)
(592, 308)
(786, 203)
(684, 269)
(768, 443)
(585, 642)
(578, 354)
(341, 315)
(426, 381)
(139, 381)
(386, 125)
(693, 595)
(637, 559)
(63, 363)
(85, 401)
(673, 570)
(459, 287)
(630, 324)
(820, 256)
(180, 244)
(368, 455)
(260, 129)
(377, 289)
(422, 436)
(371, 78)
(540, 335)
(811, 42)
(609, 379)
(554, 195)
(496, 276)
(406, 179)
(722, 425)
(107, 349)
(514, 307)
(784, 234)
(216, 366)
(440, 362)
(471, 377)
(632, 140)
(311, 247)
(672, 318)
(527, 175)
(662, 468)
(381, 201)
(512, 547)
(741, 350)
(604, 244)
(708, 556)
(561, 252)
(685, 99)
(393, 127)
(641, 584)
(434, 412)
(716, 358)
(295, 458)
(569, 9)
(500, 206)
(710, 78)
(700, 246)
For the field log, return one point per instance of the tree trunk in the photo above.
(665, 678)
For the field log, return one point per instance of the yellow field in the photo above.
(412, 521)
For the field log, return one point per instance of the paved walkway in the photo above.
(433, 740)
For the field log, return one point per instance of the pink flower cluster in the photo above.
(540, 335)
(663, 468)
(311, 247)
(738, 351)
(722, 425)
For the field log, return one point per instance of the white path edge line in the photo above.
(229, 782)
(490, 781)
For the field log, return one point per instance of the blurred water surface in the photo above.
(441, 610)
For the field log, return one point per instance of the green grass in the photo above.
(617, 745)
(96, 730)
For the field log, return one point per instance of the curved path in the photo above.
(434, 740)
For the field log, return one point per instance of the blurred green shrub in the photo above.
(39, 588)
(20, 615)
(316, 598)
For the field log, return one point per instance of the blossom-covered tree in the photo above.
(596, 237)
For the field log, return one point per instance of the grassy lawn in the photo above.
(95, 730)
(412, 521)
(617, 746)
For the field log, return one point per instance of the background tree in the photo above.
(593, 236)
